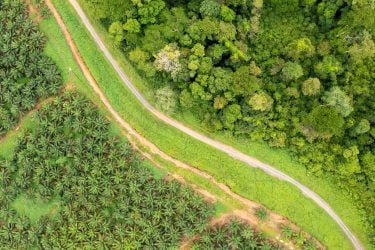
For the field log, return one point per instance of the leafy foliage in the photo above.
(298, 238)
(292, 71)
(233, 235)
(311, 86)
(166, 99)
(326, 121)
(339, 100)
(261, 213)
(26, 74)
(261, 102)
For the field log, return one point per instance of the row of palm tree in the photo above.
(107, 197)
(26, 74)
(233, 235)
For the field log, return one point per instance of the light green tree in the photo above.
(116, 32)
(148, 11)
(220, 102)
(324, 122)
(227, 14)
(311, 86)
(300, 48)
(198, 50)
(292, 71)
(138, 56)
(363, 50)
(337, 99)
(254, 69)
(261, 102)
(328, 68)
(132, 26)
(231, 114)
(141, 59)
(363, 127)
(167, 59)
(209, 8)
(166, 99)
(227, 32)
(186, 99)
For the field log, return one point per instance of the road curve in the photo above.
(252, 162)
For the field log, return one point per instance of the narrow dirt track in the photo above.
(250, 161)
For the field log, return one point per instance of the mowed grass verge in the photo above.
(251, 183)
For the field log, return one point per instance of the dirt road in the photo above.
(250, 161)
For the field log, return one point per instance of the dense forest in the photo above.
(297, 74)
(26, 74)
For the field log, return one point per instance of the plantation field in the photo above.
(99, 181)
(275, 195)
(26, 75)
(235, 234)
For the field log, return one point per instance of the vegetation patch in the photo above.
(26, 74)
(232, 235)
(36, 208)
(9, 142)
(104, 188)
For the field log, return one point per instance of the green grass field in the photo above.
(253, 184)
(34, 209)
(9, 141)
